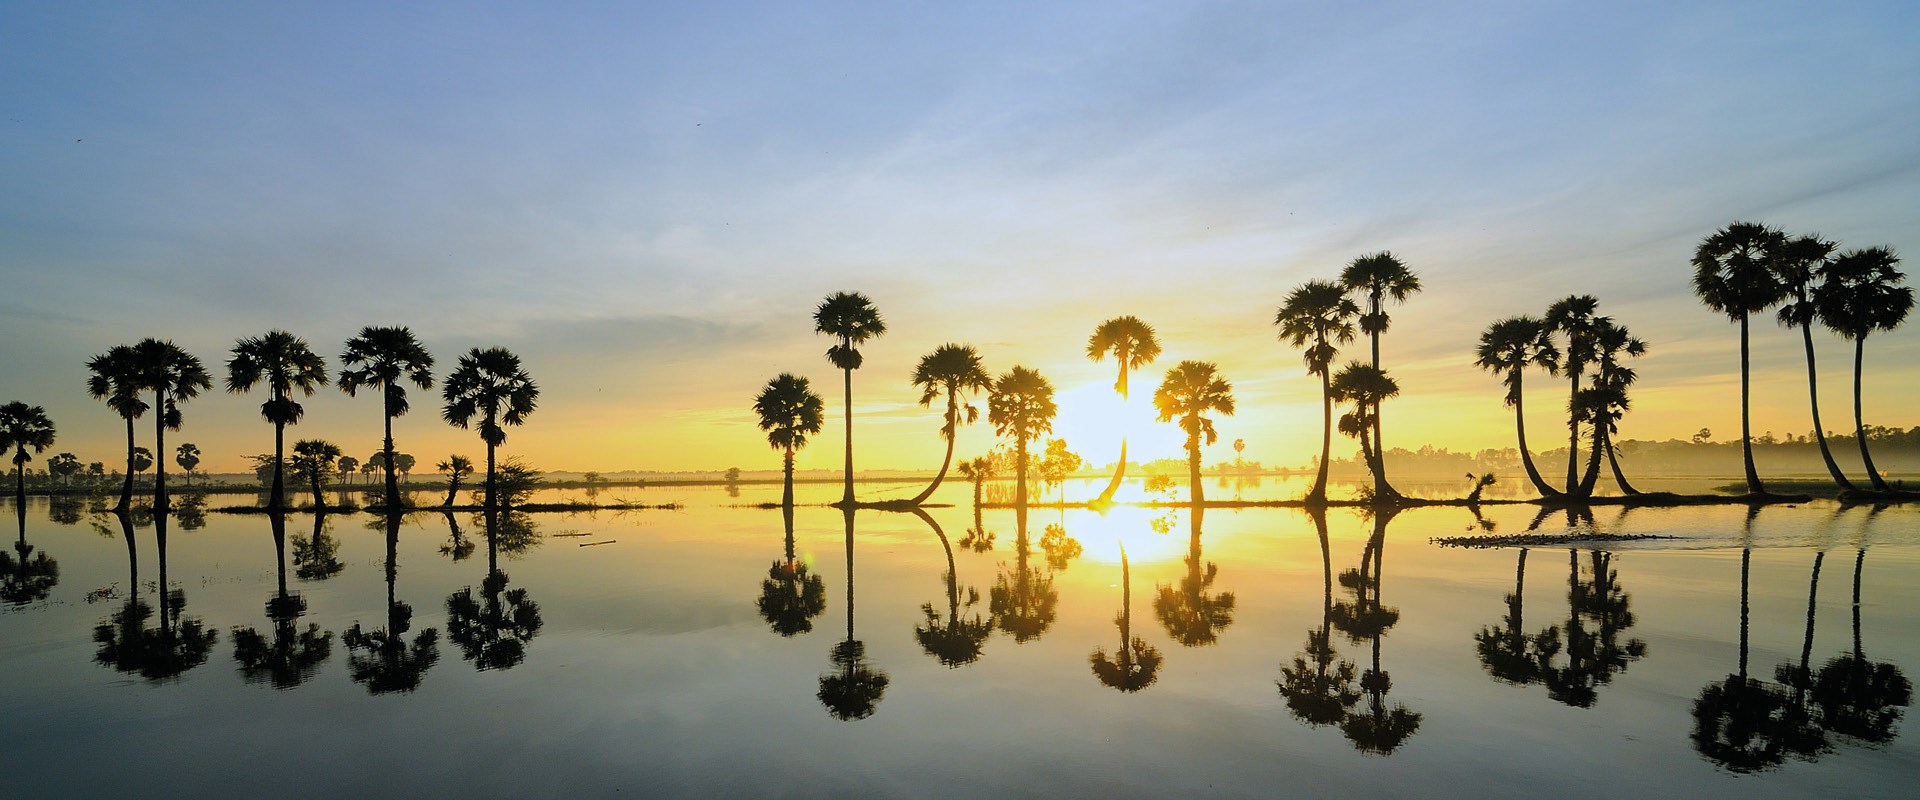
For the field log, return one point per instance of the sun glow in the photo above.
(1093, 420)
(1139, 530)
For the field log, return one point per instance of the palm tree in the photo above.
(115, 379)
(851, 318)
(285, 364)
(789, 412)
(382, 658)
(1365, 387)
(142, 459)
(952, 368)
(1133, 346)
(1798, 263)
(291, 656)
(1191, 614)
(1861, 698)
(1379, 277)
(1511, 654)
(455, 468)
(174, 376)
(1733, 274)
(1189, 391)
(977, 470)
(347, 466)
(1860, 292)
(791, 595)
(187, 455)
(1508, 347)
(1573, 317)
(1024, 603)
(1316, 690)
(1319, 312)
(856, 690)
(1607, 401)
(1136, 664)
(23, 426)
(955, 641)
(314, 459)
(1021, 405)
(386, 358)
(491, 385)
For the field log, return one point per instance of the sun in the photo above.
(1093, 419)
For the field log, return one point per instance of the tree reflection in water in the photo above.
(26, 577)
(791, 596)
(493, 630)
(1318, 688)
(1136, 664)
(161, 653)
(1192, 616)
(1507, 651)
(458, 546)
(292, 655)
(317, 558)
(1593, 656)
(1859, 698)
(1023, 603)
(1379, 727)
(854, 690)
(381, 658)
(955, 641)
(1060, 548)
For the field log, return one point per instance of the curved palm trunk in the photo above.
(1859, 422)
(1806, 643)
(846, 498)
(1520, 427)
(1126, 614)
(1594, 453)
(1859, 562)
(1820, 430)
(386, 448)
(1746, 571)
(126, 488)
(1746, 417)
(1613, 460)
(453, 486)
(1119, 472)
(159, 460)
(953, 428)
(1318, 494)
(1380, 486)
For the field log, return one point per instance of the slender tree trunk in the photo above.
(1803, 678)
(1318, 494)
(1520, 427)
(953, 429)
(1519, 593)
(1197, 494)
(1746, 417)
(1380, 486)
(1126, 614)
(1613, 460)
(159, 447)
(126, 488)
(1119, 472)
(1020, 470)
(847, 513)
(491, 499)
(277, 499)
(386, 449)
(1746, 570)
(1820, 430)
(160, 549)
(786, 495)
(20, 484)
(1859, 422)
(846, 498)
(1598, 449)
(1859, 562)
(1573, 424)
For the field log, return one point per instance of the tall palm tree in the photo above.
(1189, 391)
(1021, 405)
(1608, 399)
(386, 358)
(1573, 317)
(1861, 292)
(1798, 263)
(489, 384)
(1319, 312)
(1133, 346)
(1733, 274)
(952, 369)
(114, 378)
(23, 426)
(1365, 387)
(1379, 277)
(790, 411)
(851, 318)
(1508, 347)
(285, 364)
(174, 376)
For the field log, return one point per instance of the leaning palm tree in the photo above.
(174, 376)
(790, 411)
(1798, 263)
(489, 384)
(1365, 387)
(1319, 312)
(23, 426)
(851, 318)
(1021, 405)
(1189, 391)
(285, 364)
(1607, 401)
(1508, 347)
(1860, 293)
(1379, 277)
(115, 379)
(1573, 317)
(952, 369)
(1732, 274)
(1133, 346)
(386, 358)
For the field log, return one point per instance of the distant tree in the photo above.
(142, 459)
(951, 369)
(789, 411)
(1365, 387)
(1190, 391)
(1320, 313)
(386, 359)
(1703, 436)
(21, 427)
(732, 476)
(347, 466)
(1133, 346)
(187, 455)
(1021, 406)
(313, 461)
(404, 462)
(114, 378)
(1057, 463)
(1732, 274)
(851, 318)
(489, 387)
(455, 467)
(285, 364)
(1861, 292)
(64, 466)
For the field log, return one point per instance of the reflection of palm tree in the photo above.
(26, 577)
(1316, 690)
(1861, 293)
(493, 631)
(1510, 653)
(387, 359)
(855, 691)
(317, 558)
(160, 653)
(1190, 390)
(458, 547)
(292, 655)
(1133, 346)
(791, 596)
(174, 376)
(381, 658)
(285, 364)
(1732, 274)
(1740, 722)
(1803, 733)
(1021, 406)
(1381, 728)
(1858, 698)
(1509, 347)
(851, 318)
(114, 378)
(955, 641)
(1593, 655)
(789, 412)
(1191, 615)
(1319, 312)
(491, 386)
(1023, 603)
(952, 369)
(1136, 664)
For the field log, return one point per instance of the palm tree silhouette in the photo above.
(291, 656)
(26, 577)
(455, 468)
(1136, 664)
(1805, 733)
(1379, 277)
(1192, 616)
(1798, 263)
(1024, 603)
(166, 651)
(789, 412)
(174, 376)
(1366, 387)
(1860, 293)
(952, 369)
(856, 690)
(1573, 317)
(381, 658)
(1740, 722)
(23, 426)
(489, 384)
(1319, 312)
(851, 318)
(285, 364)
(187, 455)
(1133, 346)
(1508, 348)
(1189, 391)
(1508, 652)
(386, 359)
(1604, 403)
(1021, 405)
(791, 596)
(114, 378)
(493, 631)
(955, 641)
(313, 459)
(1317, 691)
(977, 470)
(1733, 274)
(316, 558)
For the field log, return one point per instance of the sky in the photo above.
(646, 202)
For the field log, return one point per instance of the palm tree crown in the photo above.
(23, 426)
(115, 379)
(790, 411)
(284, 363)
(1189, 391)
(851, 318)
(174, 376)
(1380, 277)
(1131, 342)
(1320, 313)
(385, 358)
(1510, 346)
(1021, 405)
(951, 369)
(491, 385)
(1861, 292)
(1732, 269)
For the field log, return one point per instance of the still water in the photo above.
(1243, 652)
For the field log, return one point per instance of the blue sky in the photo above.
(646, 200)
